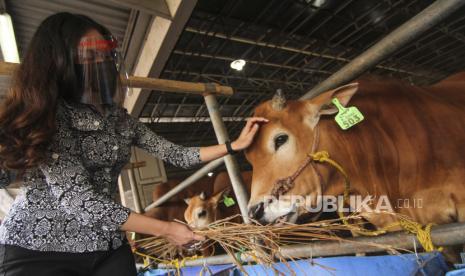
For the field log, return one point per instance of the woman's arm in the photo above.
(70, 183)
(187, 157)
(174, 232)
(244, 140)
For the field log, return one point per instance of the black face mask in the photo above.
(103, 81)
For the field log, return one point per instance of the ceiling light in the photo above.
(7, 39)
(210, 174)
(316, 3)
(238, 64)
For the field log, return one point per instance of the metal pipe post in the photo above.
(442, 235)
(407, 32)
(186, 183)
(230, 161)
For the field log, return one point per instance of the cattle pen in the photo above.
(157, 78)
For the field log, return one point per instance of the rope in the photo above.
(176, 263)
(423, 234)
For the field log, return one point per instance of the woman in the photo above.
(64, 133)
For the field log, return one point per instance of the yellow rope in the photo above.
(176, 263)
(423, 234)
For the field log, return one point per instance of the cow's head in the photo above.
(201, 210)
(281, 147)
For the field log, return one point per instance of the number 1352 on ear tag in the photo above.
(347, 117)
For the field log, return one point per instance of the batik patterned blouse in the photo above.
(66, 204)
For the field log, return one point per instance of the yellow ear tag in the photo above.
(347, 117)
(228, 201)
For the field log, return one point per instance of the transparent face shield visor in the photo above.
(101, 75)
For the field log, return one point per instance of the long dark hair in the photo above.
(47, 73)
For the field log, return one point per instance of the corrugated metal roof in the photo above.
(28, 14)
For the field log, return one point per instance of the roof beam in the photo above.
(405, 33)
(289, 49)
(270, 64)
(154, 7)
(160, 41)
(218, 78)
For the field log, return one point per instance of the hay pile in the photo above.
(261, 243)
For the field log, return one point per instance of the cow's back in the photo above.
(411, 139)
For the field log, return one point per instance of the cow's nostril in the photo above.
(257, 211)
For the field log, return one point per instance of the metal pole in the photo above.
(442, 235)
(230, 161)
(186, 183)
(407, 32)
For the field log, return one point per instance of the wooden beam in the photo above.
(7, 68)
(160, 40)
(179, 86)
(154, 7)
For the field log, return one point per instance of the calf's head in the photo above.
(202, 210)
(280, 148)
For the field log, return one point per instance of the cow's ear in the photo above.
(321, 104)
(217, 197)
(187, 200)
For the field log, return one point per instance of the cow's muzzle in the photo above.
(273, 211)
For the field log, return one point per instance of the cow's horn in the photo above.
(279, 101)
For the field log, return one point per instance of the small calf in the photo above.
(202, 211)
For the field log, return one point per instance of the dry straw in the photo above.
(260, 243)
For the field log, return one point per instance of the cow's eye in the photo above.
(280, 140)
(202, 213)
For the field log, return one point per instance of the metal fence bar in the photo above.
(186, 183)
(442, 235)
(230, 161)
(408, 31)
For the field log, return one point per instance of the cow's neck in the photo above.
(332, 180)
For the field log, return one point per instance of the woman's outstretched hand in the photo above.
(248, 133)
(179, 234)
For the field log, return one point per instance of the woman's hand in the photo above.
(179, 234)
(248, 133)
(244, 140)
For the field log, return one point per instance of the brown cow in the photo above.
(175, 207)
(410, 146)
(203, 210)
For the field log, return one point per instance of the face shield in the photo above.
(100, 73)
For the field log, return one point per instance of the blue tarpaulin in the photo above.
(406, 264)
